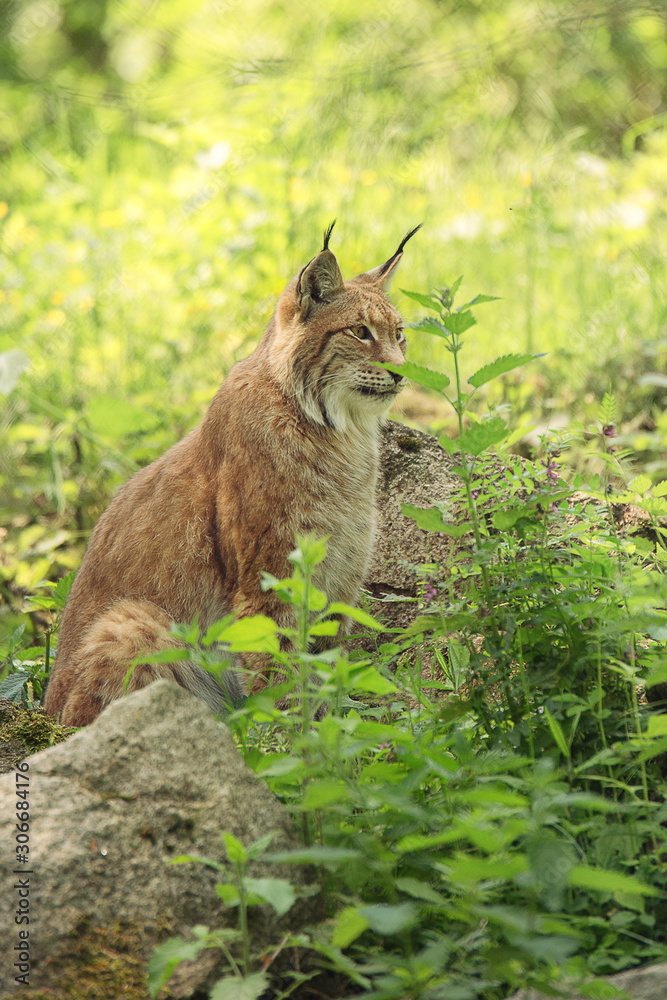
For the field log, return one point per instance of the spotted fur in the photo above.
(288, 445)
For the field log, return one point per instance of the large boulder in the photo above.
(155, 776)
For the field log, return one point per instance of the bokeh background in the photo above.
(166, 167)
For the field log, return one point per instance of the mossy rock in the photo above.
(24, 732)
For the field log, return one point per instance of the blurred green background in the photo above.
(166, 167)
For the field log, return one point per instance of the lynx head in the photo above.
(327, 336)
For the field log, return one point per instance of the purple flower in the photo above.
(551, 470)
(430, 591)
(609, 431)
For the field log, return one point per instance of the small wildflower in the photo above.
(474, 494)
(57, 298)
(4, 208)
(110, 217)
(609, 431)
(550, 467)
(55, 317)
(430, 591)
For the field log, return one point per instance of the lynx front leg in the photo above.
(127, 630)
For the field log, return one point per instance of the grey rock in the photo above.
(414, 469)
(639, 984)
(155, 776)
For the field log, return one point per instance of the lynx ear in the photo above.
(383, 275)
(319, 281)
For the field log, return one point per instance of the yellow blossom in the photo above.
(75, 276)
(4, 208)
(56, 317)
(472, 196)
(86, 303)
(297, 190)
(526, 178)
(368, 177)
(110, 217)
(2, 295)
(57, 298)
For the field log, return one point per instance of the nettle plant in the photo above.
(552, 615)
(451, 862)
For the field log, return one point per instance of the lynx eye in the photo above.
(361, 332)
(399, 334)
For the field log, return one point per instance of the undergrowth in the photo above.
(494, 821)
(500, 823)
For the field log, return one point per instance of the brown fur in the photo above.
(288, 445)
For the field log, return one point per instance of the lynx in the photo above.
(289, 445)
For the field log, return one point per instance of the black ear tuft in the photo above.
(327, 235)
(385, 267)
(408, 237)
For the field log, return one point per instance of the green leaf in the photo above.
(170, 954)
(315, 854)
(320, 794)
(428, 301)
(458, 323)
(422, 376)
(228, 893)
(236, 852)
(429, 325)
(478, 437)
(259, 846)
(215, 630)
(469, 870)
(419, 890)
(386, 918)
(240, 987)
(657, 724)
(275, 765)
(504, 519)
(608, 881)
(349, 925)
(601, 989)
(414, 842)
(309, 552)
(277, 892)
(372, 681)
(480, 299)
(500, 366)
(430, 519)
(658, 676)
(13, 685)
(183, 859)
(60, 592)
(449, 445)
(660, 489)
(640, 484)
(356, 614)
(455, 287)
(557, 733)
(255, 634)
(324, 628)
